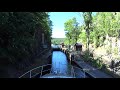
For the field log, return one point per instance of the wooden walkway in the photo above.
(92, 71)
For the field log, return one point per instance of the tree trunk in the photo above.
(88, 42)
(69, 44)
(76, 39)
(88, 34)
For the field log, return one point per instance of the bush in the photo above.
(87, 55)
(115, 51)
(96, 62)
(108, 50)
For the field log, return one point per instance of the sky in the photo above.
(59, 18)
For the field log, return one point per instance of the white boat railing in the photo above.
(40, 70)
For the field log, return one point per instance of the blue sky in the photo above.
(59, 18)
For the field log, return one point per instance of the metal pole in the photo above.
(84, 74)
(41, 71)
(30, 74)
(71, 70)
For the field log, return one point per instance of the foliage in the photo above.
(18, 34)
(96, 62)
(98, 29)
(72, 30)
(82, 38)
(108, 50)
(88, 21)
(115, 50)
(103, 24)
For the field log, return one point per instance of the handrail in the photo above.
(73, 73)
(42, 52)
(33, 69)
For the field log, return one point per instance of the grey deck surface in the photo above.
(92, 71)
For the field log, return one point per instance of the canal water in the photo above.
(60, 66)
(59, 63)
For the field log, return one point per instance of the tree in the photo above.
(88, 21)
(69, 37)
(19, 35)
(72, 30)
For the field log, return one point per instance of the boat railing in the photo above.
(41, 69)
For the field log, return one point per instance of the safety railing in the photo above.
(30, 74)
(73, 71)
(42, 52)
